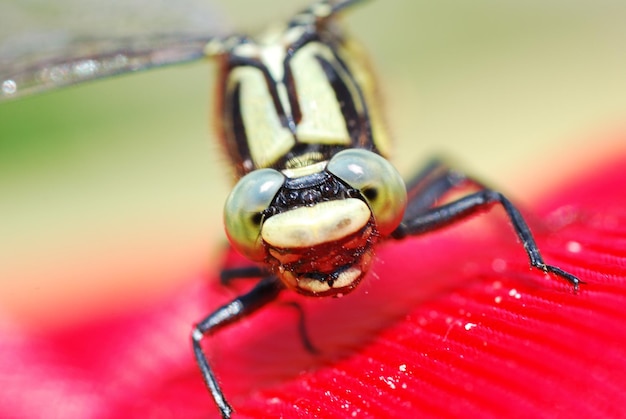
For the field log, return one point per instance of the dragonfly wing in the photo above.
(47, 45)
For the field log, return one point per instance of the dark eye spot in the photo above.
(257, 218)
(370, 193)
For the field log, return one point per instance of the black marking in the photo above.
(352, 118)
(309, 190)
(234, 118)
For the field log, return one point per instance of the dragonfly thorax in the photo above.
(300, 89)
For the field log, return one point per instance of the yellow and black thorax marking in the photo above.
(296, 96)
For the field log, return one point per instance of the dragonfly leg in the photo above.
(264, 292)
(302, 330)
(247, 272)
(436, 181)
(429, 185)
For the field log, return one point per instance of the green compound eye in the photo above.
(377, 180)
(243, 210)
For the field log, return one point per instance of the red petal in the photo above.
(449, 324)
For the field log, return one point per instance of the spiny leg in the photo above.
(304, 335)
(264, 292)
(436, 181)
(429, 185)
(227, 276)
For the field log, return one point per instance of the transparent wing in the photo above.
(46, 45)
(93, 59)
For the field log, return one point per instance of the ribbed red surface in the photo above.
(450, 324)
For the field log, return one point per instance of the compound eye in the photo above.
(377, 180)
(243, 211)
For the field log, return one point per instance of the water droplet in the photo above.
(389, 381)
(498, 265)
(9, 87)
(85, 68)
(574, 247)
(513, 293)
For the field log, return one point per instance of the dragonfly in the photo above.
(299, 117)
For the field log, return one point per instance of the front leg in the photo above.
(425, 220)
(264, 292)
(227, 276)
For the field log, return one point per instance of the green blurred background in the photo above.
(111, 192)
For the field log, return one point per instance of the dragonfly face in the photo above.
(316, 226)
(298, 117)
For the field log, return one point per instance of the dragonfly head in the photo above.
(316, 228)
